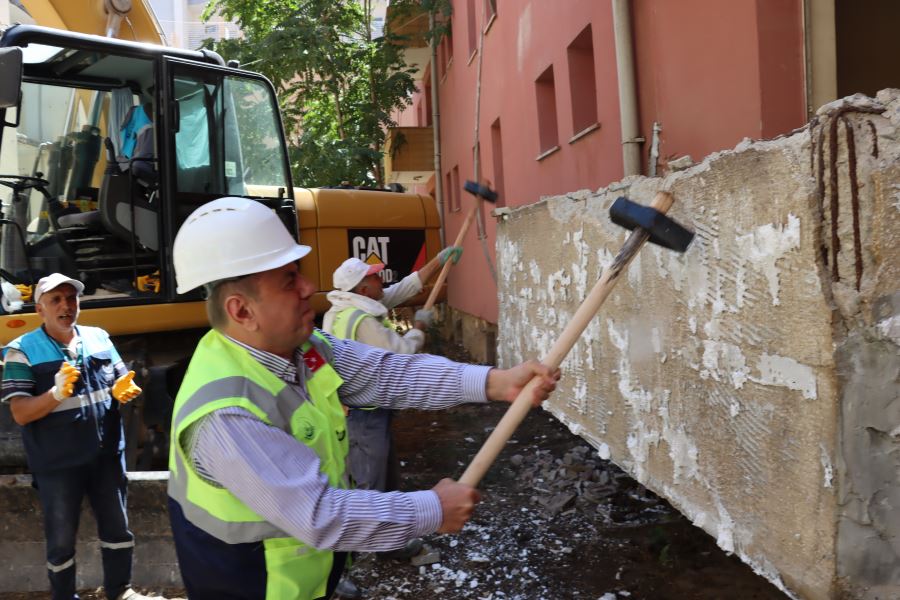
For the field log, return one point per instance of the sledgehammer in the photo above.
(648, 223)
(479, 191)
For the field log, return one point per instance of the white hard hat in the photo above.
(351, 272)
(230, 237)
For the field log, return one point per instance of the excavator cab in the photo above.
(112, 145)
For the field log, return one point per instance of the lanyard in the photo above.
(65, 351)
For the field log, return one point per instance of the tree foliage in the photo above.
(337, 84)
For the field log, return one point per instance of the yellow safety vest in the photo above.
(347, 322)
(223, 374)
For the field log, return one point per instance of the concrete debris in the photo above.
(557, 503)
(583, 481)
(681, 163)
(515, 549)
(426, 556)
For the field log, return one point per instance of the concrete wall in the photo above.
(23, 563)
(477, 336)
(752, 381)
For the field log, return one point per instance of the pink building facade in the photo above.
(707, 73)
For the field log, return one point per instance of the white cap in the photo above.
(53, 281)
(351, 272)
(230, 237)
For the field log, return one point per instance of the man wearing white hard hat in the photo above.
(260, 502)
(60, 381)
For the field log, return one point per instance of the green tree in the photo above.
(337, 84)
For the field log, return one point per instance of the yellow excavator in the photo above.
(109, 141)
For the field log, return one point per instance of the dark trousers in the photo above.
(214, 570)
(61, 492)
(371, 459)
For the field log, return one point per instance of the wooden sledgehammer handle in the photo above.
(445, 269)
(520, 407)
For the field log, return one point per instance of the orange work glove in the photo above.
(124, 389)
(64, 381)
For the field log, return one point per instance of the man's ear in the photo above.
(241, 312)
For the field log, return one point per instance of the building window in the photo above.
(452, 191)
(445, 52)
(582, 82)
(545, 92)
(473, 27)
(427, 102)
(497, 159)
(448, 192)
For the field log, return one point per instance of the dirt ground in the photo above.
(556, 522)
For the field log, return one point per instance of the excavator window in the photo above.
(228, 139)
(71, 208)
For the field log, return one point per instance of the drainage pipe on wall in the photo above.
(436, 129)
(628, 108)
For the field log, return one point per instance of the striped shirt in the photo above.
(279, 478)
(18, 377)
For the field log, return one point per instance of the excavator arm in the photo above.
(124, 19)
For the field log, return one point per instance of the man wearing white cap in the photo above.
(259, 500)
(60, 381)
(360, 303)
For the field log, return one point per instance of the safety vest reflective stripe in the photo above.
(270, 407)
(94, 397)
(229, 532)
(318, 341)
(347, 321)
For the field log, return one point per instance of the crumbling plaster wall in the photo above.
(752, 381)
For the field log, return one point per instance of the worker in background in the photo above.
(260, 502)
(360, 303)
(60, 381)
(359, 307)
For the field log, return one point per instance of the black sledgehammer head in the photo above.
(663, 231)
(482, 191)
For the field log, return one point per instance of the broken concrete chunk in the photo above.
(558, 502)
(681, 163)
(426, 556)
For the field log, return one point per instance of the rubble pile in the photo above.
(556, 521)
(544, 507)
(579, 480)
